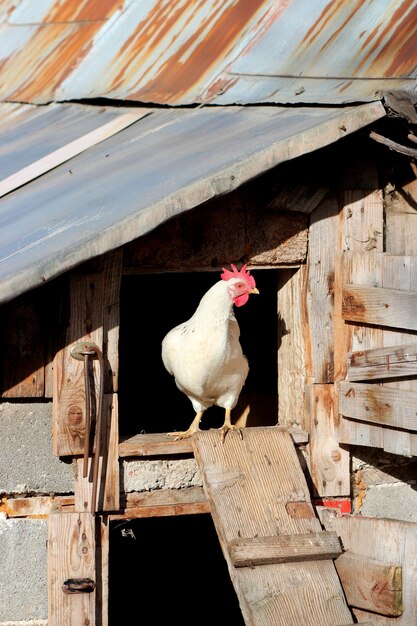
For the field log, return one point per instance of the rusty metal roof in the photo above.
(180, 52)
(166, 162)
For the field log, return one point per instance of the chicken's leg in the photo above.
(228, 426)
(194, 426)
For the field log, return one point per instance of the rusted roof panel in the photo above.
(218, 51)
(167, 162)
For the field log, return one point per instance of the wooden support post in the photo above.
(71, 556)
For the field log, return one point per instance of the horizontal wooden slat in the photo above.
(153, 445)
(284, 549)
(380, 405)
(370, 584)
(379, 363)
(135, 504)
(162, 444)
(376, 305)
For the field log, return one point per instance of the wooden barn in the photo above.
(144, 148)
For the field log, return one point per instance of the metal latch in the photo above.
(78, 585)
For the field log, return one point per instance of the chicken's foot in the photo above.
(229, 426)
(194, 427)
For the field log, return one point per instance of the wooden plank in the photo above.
(363, 219)
(175, 500)
(380, 405)
(22, 339)
(284, 549)
(36, 506)
(328, 462)
(320, 288)
(250, 483)
(388, 541)
(109, 491)
(86, 324)
(399, 273)
(292, 357)
(198, 238)
(102, 571)
(57, 157)
(108, 486)
(71, 554)
(375, 305)
(112, 276)
(153, 445)
(381, 363)
(370, 584)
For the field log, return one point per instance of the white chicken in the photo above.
(204, 353)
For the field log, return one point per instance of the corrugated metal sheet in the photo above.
(220, 51)
(165, 163)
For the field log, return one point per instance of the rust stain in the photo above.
(83, 10)
(336, 33)
(48, 59)
(210, 41)
(396, 40)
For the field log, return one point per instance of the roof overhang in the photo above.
(119, 184)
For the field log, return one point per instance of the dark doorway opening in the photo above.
(169, 570)
(152, 304)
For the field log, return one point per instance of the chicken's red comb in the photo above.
(244, 274)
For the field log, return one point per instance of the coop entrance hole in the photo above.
(152, 304)
(169, 570)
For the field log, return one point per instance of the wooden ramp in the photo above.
(279, 557)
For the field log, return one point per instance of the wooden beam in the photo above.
(57, 157)
(378, 405)
(370, 584)
(284, 549)
(395, 308)
(380, 363)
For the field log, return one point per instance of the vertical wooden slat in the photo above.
(22, 336)
(329, 462)
(85, 324)
(71, 554)
(292, 350)
(320, 288)
(112, 274)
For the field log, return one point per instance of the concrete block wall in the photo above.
(27, 465)
(383, 484)
(23, 570)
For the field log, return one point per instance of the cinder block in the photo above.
(23, 570)
(27, 465)
(149, 475)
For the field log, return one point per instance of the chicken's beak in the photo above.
(254, 290)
